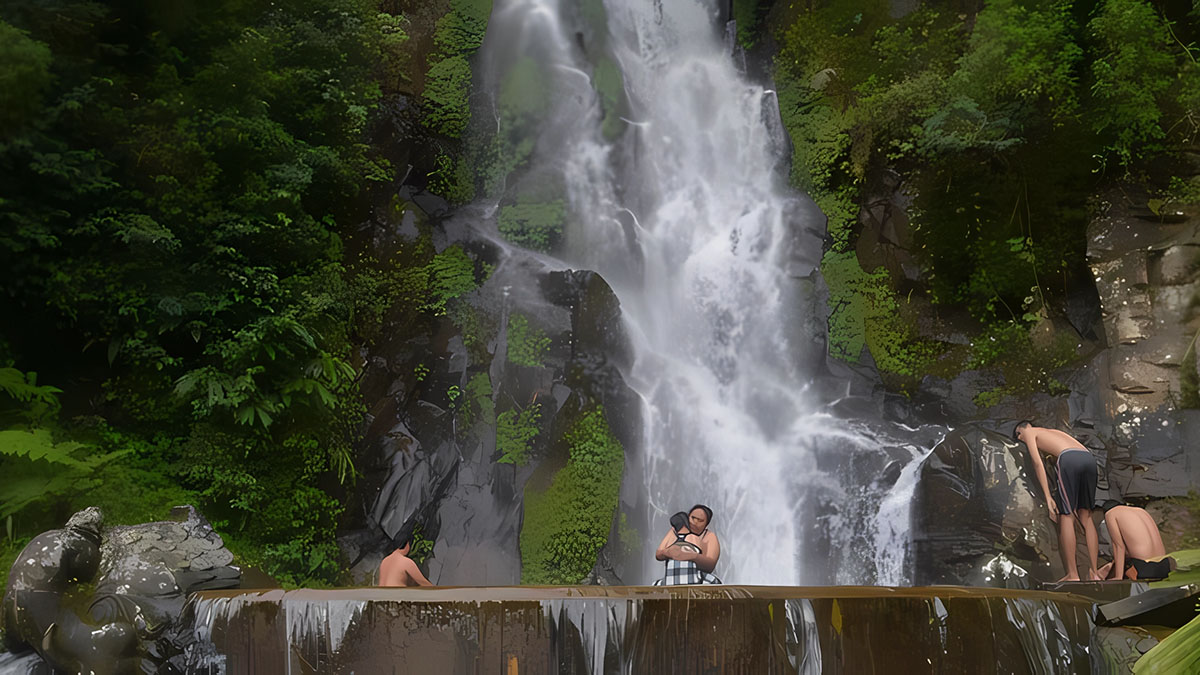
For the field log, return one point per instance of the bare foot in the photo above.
(1069, 577)
(1095, 577)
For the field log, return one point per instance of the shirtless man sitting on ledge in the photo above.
(1075, 495)
(1137, 546)
(398, 569)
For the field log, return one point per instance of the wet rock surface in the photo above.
(97, 599)
(978, 499)
(1147, 272)
(644, 630)
(430, 454)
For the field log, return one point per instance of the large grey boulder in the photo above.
(978, 513)
(92, 599)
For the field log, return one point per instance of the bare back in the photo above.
(399, 570)
(1138, 531)
(1053, 442)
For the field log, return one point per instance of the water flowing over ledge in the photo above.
(639, 629)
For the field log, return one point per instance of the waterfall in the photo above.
(673, 175)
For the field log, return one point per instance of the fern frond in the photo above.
(39, 444)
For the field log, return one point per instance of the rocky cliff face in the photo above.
(1147, 270)
(431, 452)
(977, 500)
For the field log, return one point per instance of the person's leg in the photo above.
(1066, 545)
(1105, 570)
(1093, 542)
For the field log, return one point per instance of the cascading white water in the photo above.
(708, 314)
(685, 214)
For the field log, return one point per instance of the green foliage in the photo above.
(421, 548)
(39, 466)
(1132, 72)
(610, 85)
(448, 79)
(865, 313)
(452, 179)
(746, 14)
(1189, 379)
(515, 431)
(394, 57)
(451, 275)
(479, 404)
(24, 78)
(447, 87)
(534, 225)
(631, 540)
(170, 204)
(1179, 652)
(477, 327)
(527, 344)
(1020, 54)
(980, 115)
(523, 99)
(566, 524)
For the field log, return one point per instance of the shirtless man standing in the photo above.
(1076, 493)
(1137, 547)
(398, 569)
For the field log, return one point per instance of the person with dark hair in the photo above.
(1075, 496)
(1137, 547)
(691, 556)
(397, 569)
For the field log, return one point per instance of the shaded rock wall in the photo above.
(1147, 270)
(430, 456)
(979, 517)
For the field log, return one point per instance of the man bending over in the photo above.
(1076, 491)
(1137, 547)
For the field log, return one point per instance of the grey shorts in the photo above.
(1077, 477)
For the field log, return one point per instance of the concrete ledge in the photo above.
(639, 629)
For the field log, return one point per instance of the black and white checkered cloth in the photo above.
(682, 573)
(685, 573)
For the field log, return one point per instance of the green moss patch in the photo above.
(568, 521)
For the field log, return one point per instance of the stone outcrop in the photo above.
(1146, 265)
(89, 598)
(978, 513)
(431, 457)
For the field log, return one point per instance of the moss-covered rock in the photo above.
(569, 514)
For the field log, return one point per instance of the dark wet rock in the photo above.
(1170, 607)
(978, 497)
(429, 203)
(1117, 649)
(23, 664)
(428, 458)
(108, 600)
(1177, 523)
(954, 399)
(1147, 272)
(841, 539)
(1155, 454)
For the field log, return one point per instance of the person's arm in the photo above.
(661, 553)
(414, 573)
(1040, 469)
(1118, 548)
(707, 558)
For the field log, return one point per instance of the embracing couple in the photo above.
(689, 549)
